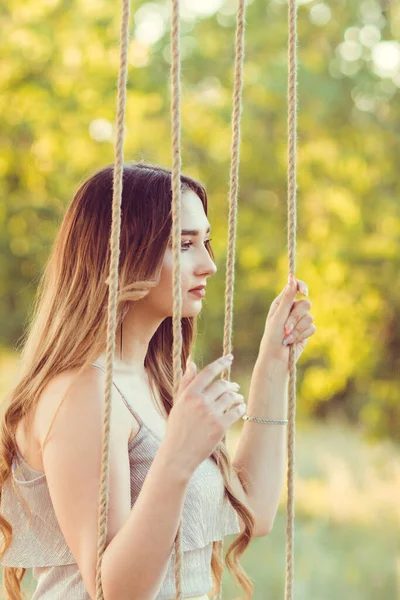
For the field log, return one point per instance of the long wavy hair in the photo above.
(67, 329)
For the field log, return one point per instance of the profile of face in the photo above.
(196, 263)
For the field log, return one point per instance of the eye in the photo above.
(186, 245)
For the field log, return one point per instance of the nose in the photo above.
(206, 266)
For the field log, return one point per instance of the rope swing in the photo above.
(230, 263)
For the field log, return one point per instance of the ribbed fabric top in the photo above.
(39, 544)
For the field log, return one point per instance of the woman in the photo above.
(166, 464)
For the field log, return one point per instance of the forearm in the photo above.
(261, 451)
(136, 561)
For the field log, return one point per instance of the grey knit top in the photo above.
(39, 543)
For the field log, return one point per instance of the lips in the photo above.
(199, 287)
(200, 293)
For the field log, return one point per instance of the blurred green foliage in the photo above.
(58, 79)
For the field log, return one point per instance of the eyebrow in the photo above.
(194, 231)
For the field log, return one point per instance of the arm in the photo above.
(139, 539)
(136, 562)
(261, 450)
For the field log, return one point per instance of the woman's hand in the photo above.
(288, 322)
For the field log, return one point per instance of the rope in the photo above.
(113, 292)
(176, 237)
(233, 197)
(292, 225)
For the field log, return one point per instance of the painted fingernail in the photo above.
(289, 328)
(305, 290)
(288, 340)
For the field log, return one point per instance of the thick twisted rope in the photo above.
(234, 179)
(113, 292)
(292, 226)
(176, 238)
(233, 196)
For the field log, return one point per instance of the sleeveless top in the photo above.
(38, 543)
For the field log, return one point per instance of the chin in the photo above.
(191, 311)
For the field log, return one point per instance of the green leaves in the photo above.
(58, 102)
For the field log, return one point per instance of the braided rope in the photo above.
(176, 238)
(292, 225)
(233, 198)
(113, 292)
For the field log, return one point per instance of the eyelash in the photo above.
(185, 248)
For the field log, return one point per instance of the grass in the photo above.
(347, 542)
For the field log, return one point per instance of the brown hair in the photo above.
(68, 327)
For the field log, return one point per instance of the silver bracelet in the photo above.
(280, 421)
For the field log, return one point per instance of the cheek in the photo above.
(165, 285)
(166, 271)
(167, 274)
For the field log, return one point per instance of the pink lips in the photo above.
(200, 293)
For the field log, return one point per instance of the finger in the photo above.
(219, 387)
(302, 287)
(229, 401)
(306, 335)
(234, 414)
(288, 297)
(299, 348)
(189, 374)
(301, 327)
(276, 302)
(300, 334)
(208, 374)
(299, 311)
(296, 338)
(280, 296)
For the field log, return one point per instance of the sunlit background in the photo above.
(59, 65)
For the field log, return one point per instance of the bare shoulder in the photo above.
(72, 459)
(84, 393)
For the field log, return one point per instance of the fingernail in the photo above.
(305, 290)
(289, 328)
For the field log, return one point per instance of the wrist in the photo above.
(178, 469)
(273, 366)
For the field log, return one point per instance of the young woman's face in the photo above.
(196, 263)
